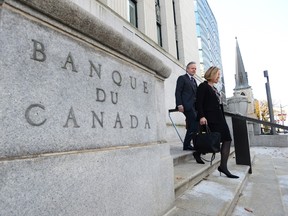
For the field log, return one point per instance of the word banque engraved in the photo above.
(39, 54)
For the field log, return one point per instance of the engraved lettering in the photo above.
(36, 115)
(100, 95)
(117, 79)
(97, 118)
(27, 114)
(133, 84)
(118, 120)
(38, 51)
(134, 121)
(145, 87)
(71, 116)
(93, 68)
(147, 124)
(114, 101)
(70, 60)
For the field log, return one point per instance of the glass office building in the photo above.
(208, 40)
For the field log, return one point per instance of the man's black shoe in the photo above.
(198, 158)
(188, 148)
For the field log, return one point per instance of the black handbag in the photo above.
(206, 141)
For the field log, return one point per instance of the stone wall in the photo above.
(82, 115)
(269, 140)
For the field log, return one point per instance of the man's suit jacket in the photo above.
(185, 94)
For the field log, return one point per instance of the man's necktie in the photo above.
(194, 84)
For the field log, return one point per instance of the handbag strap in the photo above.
(207, 128)
(212, 158)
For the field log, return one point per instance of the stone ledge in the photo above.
(80, 20)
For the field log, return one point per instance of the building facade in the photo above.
(103, 75)
(170, 24)
(208, 41)
(183, 31)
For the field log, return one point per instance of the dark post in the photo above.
(270, 107)
(241, 142)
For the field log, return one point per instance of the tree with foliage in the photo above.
(257, 108)
(264, 113)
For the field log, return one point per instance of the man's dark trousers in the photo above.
(191, 126)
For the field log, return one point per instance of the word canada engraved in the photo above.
(39, 54)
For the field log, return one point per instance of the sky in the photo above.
(261, 29)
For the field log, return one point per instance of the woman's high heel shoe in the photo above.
(227, 173)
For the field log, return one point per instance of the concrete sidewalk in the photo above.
(266, 192)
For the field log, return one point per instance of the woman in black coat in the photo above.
(210, 112)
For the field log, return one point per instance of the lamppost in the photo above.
(271, 113)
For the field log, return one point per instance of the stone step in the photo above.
(179, 156)
(200, 190)
(187, 172)
(190, 173)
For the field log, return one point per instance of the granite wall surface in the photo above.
(82, 116)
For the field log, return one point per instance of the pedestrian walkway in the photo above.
(266, 192)
(200, 190)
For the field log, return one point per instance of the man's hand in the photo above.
(180, 108)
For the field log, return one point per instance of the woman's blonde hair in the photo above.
(210, 73)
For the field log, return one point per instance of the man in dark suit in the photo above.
(185, 94)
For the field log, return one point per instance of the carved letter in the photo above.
(92, 67)
(38, 51)
(70, 61)
(133, 85)
(98, 98)
(112, 98)
(147, 123)
(134, 121)
(99, 121)
(145, 87)
(117, 79)
(71, 116)
(118, 120)
(27, 112)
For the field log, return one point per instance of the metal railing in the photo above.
(240, 135)
(256, 120)
(241, 139)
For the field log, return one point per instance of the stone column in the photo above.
(80, 116)
(238, 104)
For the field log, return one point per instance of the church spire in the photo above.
(241, 77)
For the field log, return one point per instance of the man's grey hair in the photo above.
(192, 62)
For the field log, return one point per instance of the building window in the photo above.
(175, 26)
(133, 13)
(158, 22)
(159, 34)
